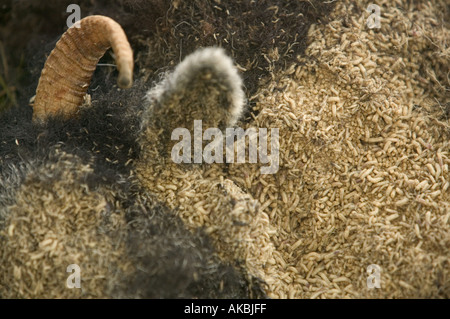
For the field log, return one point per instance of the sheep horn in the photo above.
(68, 70)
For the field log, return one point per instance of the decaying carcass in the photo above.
(69, 192)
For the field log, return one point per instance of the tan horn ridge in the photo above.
(68, 70)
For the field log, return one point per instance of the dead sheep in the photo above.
(364, 155)
(69, 192)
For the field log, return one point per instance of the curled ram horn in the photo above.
(68, 70)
